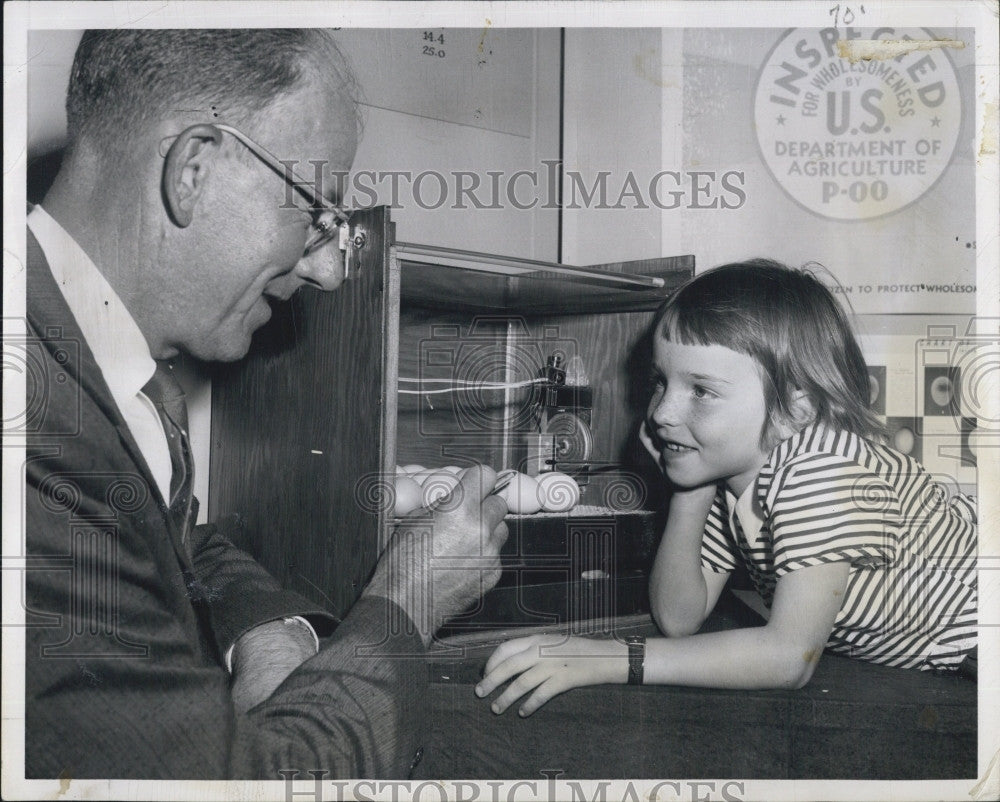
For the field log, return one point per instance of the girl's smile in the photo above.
(708, 411)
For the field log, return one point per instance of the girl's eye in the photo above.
(702, 392)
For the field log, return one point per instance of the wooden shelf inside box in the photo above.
(591, 563)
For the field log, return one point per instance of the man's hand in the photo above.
(441, 560)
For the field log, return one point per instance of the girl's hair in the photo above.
(794, 329)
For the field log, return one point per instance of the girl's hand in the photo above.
(651, 443)
(697, 495)
(698, 500)
(549, 665)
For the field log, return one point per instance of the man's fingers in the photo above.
(477, 481)
(494, 510)
(500, 534)
(472, 494)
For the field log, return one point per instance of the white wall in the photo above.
(621, 115)
(636, 102)
(644, 100)
(490, 104)
(683, 100)
(926, 241)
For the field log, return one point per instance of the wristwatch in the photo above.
(636, 658)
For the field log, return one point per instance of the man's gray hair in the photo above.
(124, 81)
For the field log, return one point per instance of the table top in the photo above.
(854, 720)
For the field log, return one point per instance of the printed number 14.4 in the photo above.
(433, 38)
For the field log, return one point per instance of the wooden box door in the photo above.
(300, 429)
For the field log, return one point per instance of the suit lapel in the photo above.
(47, 310)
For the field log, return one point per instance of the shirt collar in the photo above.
(119, 348)
(746, 510)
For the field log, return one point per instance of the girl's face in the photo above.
(708, 411)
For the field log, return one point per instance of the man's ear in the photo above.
(185, 169)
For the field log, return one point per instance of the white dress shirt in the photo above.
(119, 349)
(114, 338)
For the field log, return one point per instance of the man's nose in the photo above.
(323, 268)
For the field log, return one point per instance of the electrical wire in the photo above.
(465, 386)
(454, 381)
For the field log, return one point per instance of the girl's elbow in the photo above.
(800, 679)
(673, 625)
(799, 667)
(680, 629)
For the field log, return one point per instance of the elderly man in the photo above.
(165, 652)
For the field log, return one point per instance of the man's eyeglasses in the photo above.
(327, 217)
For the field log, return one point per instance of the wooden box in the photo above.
(307, 431)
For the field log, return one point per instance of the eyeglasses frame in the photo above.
(321, 207)
(327, 231)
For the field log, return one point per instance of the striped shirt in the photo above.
(828, 496)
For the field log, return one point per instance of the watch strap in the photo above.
(636, 658)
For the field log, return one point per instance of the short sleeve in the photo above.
(964, 507)
(717, 548)
(826, 508)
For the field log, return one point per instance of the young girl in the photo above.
(761, 421)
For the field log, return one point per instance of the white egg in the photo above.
(408, 495)
(413, 468)
(558, 492)
(438, 485)
(521, 495)
(453, 469)
(421, 476)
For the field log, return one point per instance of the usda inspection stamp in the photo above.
(857, 123)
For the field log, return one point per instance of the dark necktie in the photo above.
(168, 398)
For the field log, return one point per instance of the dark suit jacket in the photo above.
(126, 624)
